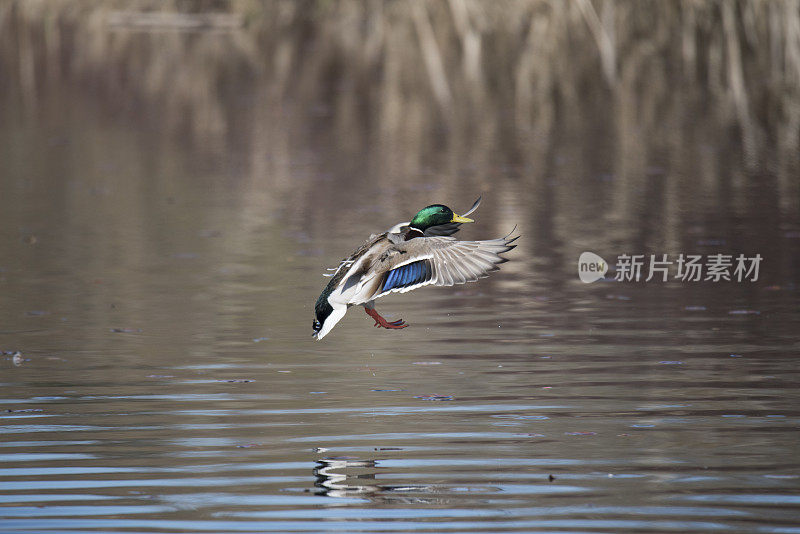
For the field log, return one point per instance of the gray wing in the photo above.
(441, 261)
(442, 230)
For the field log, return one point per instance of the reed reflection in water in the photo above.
(176, 176)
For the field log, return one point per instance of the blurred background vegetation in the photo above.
(649, 121)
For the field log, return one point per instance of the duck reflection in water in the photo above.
(333, 481)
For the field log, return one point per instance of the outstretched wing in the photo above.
(441, 261)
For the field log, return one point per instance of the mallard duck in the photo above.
(409, 255)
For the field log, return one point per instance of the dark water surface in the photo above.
(160, 291)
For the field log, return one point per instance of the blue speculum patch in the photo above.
(407, 275)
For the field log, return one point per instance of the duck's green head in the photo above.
(434, 216)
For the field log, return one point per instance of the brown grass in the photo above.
(479, 82)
